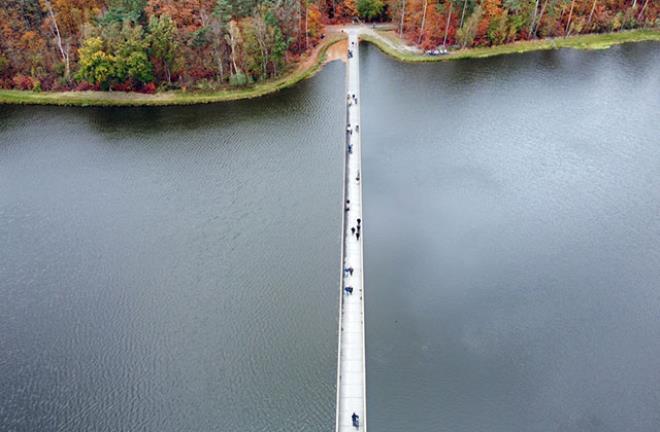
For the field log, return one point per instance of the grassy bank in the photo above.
(305, 69)
(308, 67)
(589, 41)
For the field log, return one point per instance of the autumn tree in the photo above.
(466, 34)
(133, 63)
(222, 14)
(348, 9)
(121, 10)
(96, 66)
(264, 44)
(369, 10)
(163, 46)
(64, 20)
(234, 40)
(128, 44)
(314, 22)
(117, 56)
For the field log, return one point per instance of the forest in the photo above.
(145, 45)
(151, 45)
(469, 23)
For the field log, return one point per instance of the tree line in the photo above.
(469, 23)
(145, 44)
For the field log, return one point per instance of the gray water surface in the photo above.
(176, 269)
(512, 242)
(172, 269)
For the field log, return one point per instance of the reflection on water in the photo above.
(512, 253)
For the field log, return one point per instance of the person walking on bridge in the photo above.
(356, 420)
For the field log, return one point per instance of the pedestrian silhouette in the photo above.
(356, 420)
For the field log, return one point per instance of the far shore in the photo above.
(390, 44)
(332, 48)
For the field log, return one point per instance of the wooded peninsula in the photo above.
(208, 50)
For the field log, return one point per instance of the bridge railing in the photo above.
(342, 253)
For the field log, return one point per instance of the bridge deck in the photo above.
(351, 379)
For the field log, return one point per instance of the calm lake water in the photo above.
(172, 269)
(176, 269)
(512, 242)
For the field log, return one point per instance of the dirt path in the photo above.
(395, 43)
(336, 51)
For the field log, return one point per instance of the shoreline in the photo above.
(304, 69)
(310, 66)
(593, 41)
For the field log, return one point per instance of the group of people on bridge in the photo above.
(354, 222)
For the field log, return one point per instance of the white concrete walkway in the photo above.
(351, 377)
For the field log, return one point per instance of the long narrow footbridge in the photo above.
(351, 368)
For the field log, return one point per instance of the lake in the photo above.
(175, 269)
(172, 269)
(512, 242)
